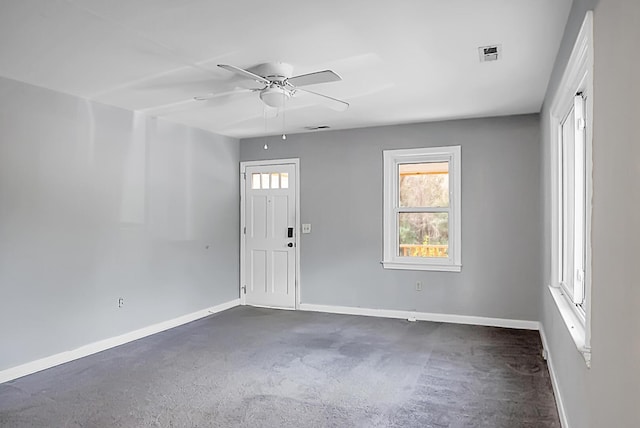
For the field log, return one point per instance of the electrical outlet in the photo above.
(418, 285)
(120, 302)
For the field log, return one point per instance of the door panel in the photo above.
(280, 215)
(270, 254)
(280, 271)
(258, 277)
(258, 216)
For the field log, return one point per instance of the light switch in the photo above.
(306, 228)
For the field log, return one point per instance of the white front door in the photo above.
(270, 235)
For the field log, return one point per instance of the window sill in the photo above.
(574, 324)
(416, 266)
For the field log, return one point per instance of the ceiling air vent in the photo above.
(316, 128)
(490, 53)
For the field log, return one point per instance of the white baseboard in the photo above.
(554, 380)
(102, 345)
(423, 316)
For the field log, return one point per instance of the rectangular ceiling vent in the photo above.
(490, 53)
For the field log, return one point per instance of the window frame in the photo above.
(576, 82)
(391, 207)
(572, 211)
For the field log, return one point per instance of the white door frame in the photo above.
(243, 174)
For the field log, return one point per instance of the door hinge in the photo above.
(244, 230)
(244, 175)
(244, 289)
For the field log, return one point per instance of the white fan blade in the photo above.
(315, 78)
(245, 73)
(335, 103)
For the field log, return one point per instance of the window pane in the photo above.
(567, 192)
(284, 180)
(423, 234)
(424, 184)
(275, 180)
(255, 181)
(265, 181)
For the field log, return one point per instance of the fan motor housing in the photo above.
(273, 71)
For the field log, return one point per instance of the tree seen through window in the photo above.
(423, 219)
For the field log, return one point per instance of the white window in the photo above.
(571, 189)
(571, 203)
(422, 209)
(274, 180)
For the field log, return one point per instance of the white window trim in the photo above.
(392, 158)
(578, 77)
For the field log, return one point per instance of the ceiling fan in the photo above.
(278, 85)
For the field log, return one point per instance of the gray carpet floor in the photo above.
(252, 367)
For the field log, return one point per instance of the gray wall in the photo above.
(98, 203)
(341, 196)
(607, 395)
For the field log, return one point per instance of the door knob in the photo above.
(290, 244)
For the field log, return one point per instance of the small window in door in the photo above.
(273, 180)
(255, 181)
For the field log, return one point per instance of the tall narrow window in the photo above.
(570, 116)
(422, 209)
(571, 202)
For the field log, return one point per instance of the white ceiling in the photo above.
(401, 61)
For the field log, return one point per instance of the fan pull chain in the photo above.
(284, 99)
(264, 117)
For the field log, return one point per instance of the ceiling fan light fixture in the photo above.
(275, 96)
